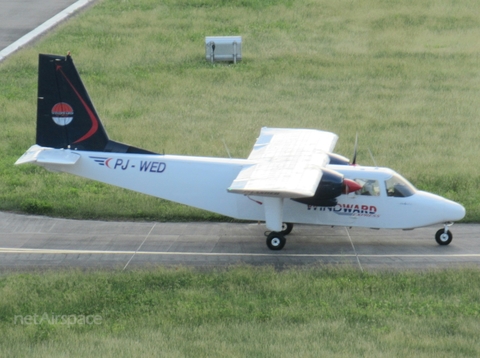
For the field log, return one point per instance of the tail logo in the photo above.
(91, 114)
(62, 114)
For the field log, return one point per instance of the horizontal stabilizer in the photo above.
(43, 155)
(285, 163)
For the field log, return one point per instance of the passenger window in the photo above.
(399, 187)
(370, 187)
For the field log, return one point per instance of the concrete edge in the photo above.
(47, 25)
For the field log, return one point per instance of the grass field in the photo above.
(403, 74)
(240, 312)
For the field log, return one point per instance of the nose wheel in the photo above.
(444, 236)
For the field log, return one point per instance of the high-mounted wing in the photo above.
(286, 163)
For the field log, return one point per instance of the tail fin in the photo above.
(65, 114)
(66, 117)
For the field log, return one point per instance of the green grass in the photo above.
(403, 74)
(242, 311)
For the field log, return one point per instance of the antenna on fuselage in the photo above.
(371, 155)
(226, 148)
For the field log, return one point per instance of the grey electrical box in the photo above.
(223, 48)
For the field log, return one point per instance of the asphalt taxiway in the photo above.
(22, 21)
(34, 242)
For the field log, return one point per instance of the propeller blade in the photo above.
(354, 160)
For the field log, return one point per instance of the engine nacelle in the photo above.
(330, 187)
(337, 159)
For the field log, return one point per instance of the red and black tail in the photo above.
(66, 117)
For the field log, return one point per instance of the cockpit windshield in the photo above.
(399, 187)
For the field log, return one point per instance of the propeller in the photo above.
(354, 160)
(350, 186)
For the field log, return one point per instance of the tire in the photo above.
(443, 238)
(276, 241)
(286, 228)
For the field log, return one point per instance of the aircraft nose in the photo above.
(451, 210)
(442, 209)
(455, 211)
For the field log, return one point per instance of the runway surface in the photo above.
(31, 242)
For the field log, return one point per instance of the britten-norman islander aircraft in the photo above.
(291, 175)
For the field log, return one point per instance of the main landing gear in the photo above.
(444, 236)
(277, 240)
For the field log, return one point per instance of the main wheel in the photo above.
(443, 238)
(276, 241)
(286, 228)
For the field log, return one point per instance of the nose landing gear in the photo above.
(444, 236)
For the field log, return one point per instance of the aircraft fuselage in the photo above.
(202, 182)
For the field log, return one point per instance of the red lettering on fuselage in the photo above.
(346, 209)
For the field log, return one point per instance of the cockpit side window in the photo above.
(399, 187)
(370, 187)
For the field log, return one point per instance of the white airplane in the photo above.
(291, 175)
